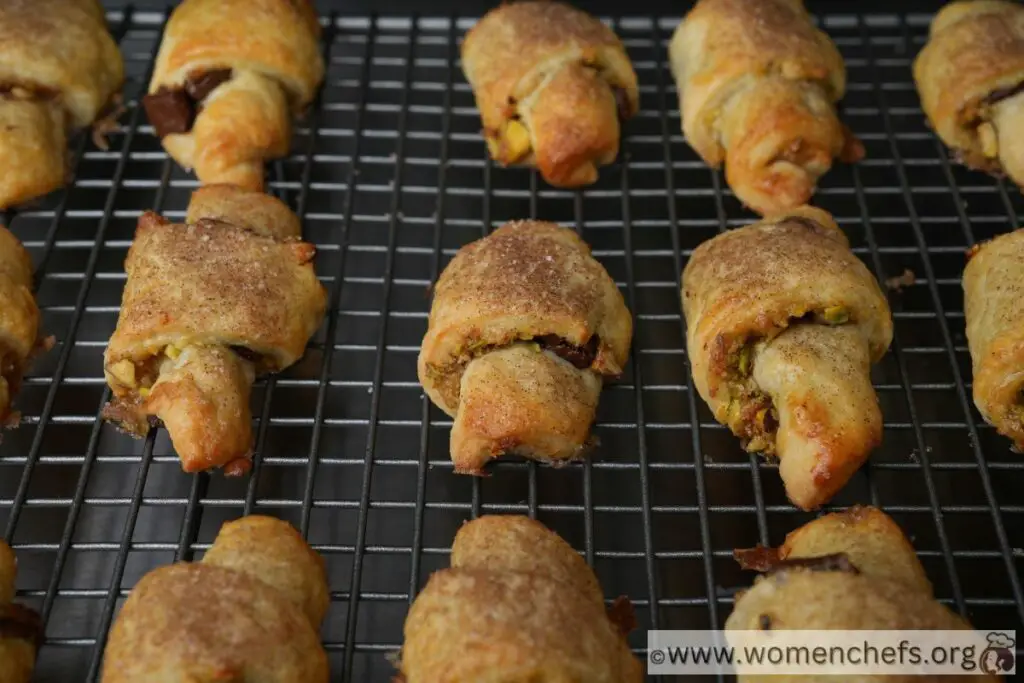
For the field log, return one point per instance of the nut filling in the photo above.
(173, 110)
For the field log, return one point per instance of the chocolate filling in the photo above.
(1001, 94)
(21, 623)
(580, 356)
(173, 110)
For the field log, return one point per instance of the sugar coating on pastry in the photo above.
(523, 326)
(783, 323)
(519, 604)
(553, 85)
(250, 610)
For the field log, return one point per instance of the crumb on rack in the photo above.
(897, 283)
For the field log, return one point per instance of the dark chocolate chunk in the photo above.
(200, 85)
(580, 356)
(170, 111)
(21, 623)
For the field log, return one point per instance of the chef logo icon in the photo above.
(999, 656)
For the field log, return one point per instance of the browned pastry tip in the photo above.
(60, 70)
(783, 323)
(552, 84)
(518, 605)
(21, 629)
(758, 86)
(263, 214)
(523, 326)
(994, 316)
(250, 611)
(970, 76)
(19, 320)
(852, 570)
(229, 76)
(207, 305)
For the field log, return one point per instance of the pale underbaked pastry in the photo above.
(524, 325)
(970, 77)
(60, 70)
(249, 611)
(852, 570)
(21, 629)
(517, 605)
(208, 305)
(229, 76)
(994, 317)
(19, 320)
(783, 322)
(553, 85)
(758, 86)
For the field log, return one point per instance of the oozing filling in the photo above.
(143, 375)
(751, 415)
(173, 110)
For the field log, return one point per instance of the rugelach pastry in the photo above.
(758, 86)
(249, 611)
(970, 77)
(518, 605)
(553, 86)
(783, 322)
(523, 327)
(60, 71)
(229, 76)
(21, 629)
(994, 317)
(849, 571)
(19, 321)
(208, 305)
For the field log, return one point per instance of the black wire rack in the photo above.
(391, 176)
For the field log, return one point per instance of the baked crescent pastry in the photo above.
(250, 611)
(524, 325)
(970, 77)
(228, 78)
(209, 304)
(518, 605)
(553, 85)
(21, 629)
(19, 319)
(852, 570)
(783, 322)
(60, 70)
(758, 86)
(994, 316)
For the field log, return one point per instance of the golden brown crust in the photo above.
(59, 68)
(271, 48)
(975, 54)
(555, 70)
(263, 214)
(886, 590)
(758, 85)
(215, 621)
(994, 316)
(523, 610)
(525, 281)
(745, 287)
(206, 305)
(21, 629)
(19, 318)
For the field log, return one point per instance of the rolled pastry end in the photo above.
(1008, 120)
(818, 378)
(200, 393)
(273, 552)
(526, 401)
(263, 214)
(33, 148)
(780, 137)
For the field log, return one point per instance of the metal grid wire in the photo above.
(391, 176)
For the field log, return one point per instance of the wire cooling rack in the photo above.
(391, 177)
